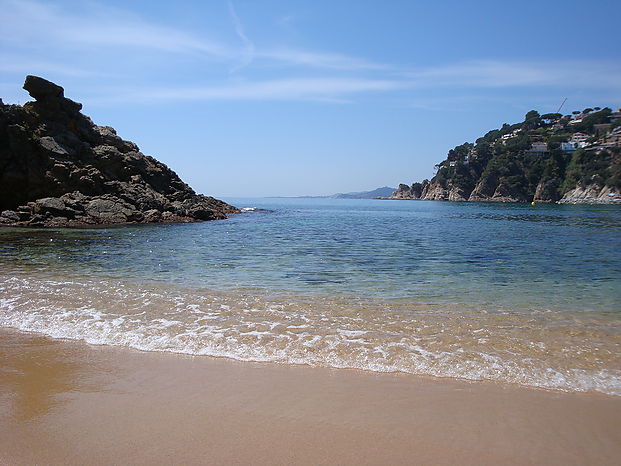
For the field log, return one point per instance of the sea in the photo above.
(512, 293)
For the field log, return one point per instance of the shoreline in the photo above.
(491, 201)
(70, 402)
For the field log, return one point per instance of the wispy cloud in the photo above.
(317, 89)
(495, 73)
(458, 77)
(320, 60)
(40, 24)
(46, 38)
(249, 48)
(10, 63)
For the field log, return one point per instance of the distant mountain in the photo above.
(379, 192)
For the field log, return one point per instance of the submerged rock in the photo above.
(57, 168)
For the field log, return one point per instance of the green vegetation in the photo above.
(534, 157)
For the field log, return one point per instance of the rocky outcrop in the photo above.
(413, 192)
(547, 191)
(437, 192)
(403, 192)
(505, 193)
(500, 193)
(592, 194)
(57, 168)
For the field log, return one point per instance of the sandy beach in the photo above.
(66, 402)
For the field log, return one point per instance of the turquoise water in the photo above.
(499, 255)
(528, 294)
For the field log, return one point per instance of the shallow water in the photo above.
(507, 292)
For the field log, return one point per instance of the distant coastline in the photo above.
(378, 193)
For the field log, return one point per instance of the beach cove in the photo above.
(314, 331)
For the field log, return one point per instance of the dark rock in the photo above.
(49, 143)
(57, 168)
(547, 191)
(10, 216)
(42, 89)
(51, 205)
(505, 193)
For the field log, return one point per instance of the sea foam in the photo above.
(539, 348)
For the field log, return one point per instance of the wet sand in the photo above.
(65, 402)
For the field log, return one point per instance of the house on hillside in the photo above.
(569, 146)
(505, 137)
(613, 138)
(579, 138)
(538, 148)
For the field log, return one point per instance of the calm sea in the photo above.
(509, 292)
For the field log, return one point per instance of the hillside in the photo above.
(57, 168)
(379, 192)
(545, 158)
(383, 192)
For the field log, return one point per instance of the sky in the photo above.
(252, 98)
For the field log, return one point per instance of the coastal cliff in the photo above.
(546, 158)
(57, 168)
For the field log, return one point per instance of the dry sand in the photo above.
(72, 403)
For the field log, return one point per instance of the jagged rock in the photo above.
(592, 194)
(9, 216)
(547, 191)
(413, 192)
(403, 192)
(42, 89)
(57, 168)
(504, 193)
(51, 205)
(437, 192)
(49, 143)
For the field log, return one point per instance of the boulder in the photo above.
(42, 89)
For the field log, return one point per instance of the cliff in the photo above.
(57, 168)
(545, 158)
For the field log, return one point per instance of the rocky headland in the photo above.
(57, 168)
(546, 158)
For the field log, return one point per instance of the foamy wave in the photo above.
(318, 332)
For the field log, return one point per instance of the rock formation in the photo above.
(416, 191)
(592, 194)
(57, 168)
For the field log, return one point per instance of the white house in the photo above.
(569, 146)
(579, 137)
(538, 148)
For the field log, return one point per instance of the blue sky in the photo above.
(259, 98)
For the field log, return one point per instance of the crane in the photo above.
(559, 109)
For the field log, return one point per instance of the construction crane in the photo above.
(559, 109)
